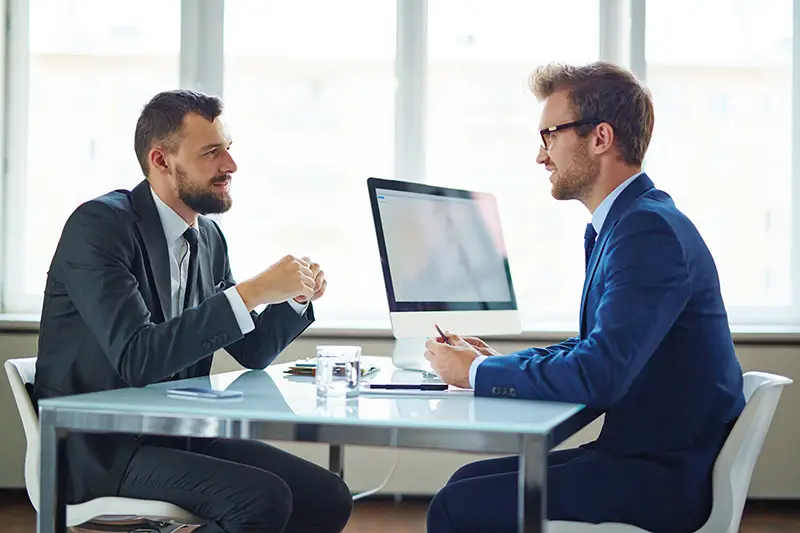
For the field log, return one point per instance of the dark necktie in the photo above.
(589, 238)
(191, 279)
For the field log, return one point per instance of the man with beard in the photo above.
(653, 351)
(140, 291)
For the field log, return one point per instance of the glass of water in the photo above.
(338, 371)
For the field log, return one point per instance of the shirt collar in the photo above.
(600, 214)
(174, 226)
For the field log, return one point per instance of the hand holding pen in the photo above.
(443, 336)
(475, 342)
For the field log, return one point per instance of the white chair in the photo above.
(114, 511)
(733, 467)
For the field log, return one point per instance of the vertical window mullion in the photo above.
(638, 59)
(615, 31)
(4, 204)
(411, 68)
(202, 27)
(795, 239)
(15, 155)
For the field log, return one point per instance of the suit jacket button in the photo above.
(495, 390)
(223, 337)
(513, 392)
(206, 345)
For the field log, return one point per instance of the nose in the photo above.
(228, 165)
(542, 157)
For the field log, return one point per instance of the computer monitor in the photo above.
(444, 260)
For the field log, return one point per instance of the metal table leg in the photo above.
(336, 460)
(532, 485)
(53, 476)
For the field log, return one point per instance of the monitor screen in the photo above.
(442, 249)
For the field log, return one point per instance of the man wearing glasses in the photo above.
(654, 351)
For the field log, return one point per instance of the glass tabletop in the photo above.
(273, 395)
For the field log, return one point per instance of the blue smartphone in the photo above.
(204, 394)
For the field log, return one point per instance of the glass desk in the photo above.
(277, 406)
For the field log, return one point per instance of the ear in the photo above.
(158, 159)
(603, 138)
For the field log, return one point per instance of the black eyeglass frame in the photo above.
(574, 124)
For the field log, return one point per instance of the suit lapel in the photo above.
(149, 224)
(638, 187)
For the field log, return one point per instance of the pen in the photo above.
(413, 386)
(443, 335)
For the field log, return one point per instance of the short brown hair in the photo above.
(607, 92)
(162, 118)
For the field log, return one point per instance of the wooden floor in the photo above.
(17, 516)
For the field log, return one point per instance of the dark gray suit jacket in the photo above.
(104, 321)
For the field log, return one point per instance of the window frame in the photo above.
(15, 128)
(622, 34)
(4, 216)
(795, 240)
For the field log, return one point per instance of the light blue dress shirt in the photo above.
(600, 214)
(598, 219)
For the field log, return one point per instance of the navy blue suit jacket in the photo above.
(654, 353)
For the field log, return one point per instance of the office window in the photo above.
(313, 97)
(483, 133)
(722, 144)
(309, 91)
(91, 65)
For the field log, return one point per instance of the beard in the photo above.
(200, 199)
(574, 180)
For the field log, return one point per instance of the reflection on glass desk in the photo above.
(272, 389)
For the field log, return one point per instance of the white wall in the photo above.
(777, 473)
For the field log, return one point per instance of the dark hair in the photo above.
(607, 92)
(162, 117)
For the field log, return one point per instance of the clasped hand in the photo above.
(291, 277)
(320, 283)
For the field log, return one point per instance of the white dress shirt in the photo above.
(178, 247)
(598, 219)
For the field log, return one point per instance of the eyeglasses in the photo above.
(545, 133)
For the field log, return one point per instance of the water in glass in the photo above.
(338, 371)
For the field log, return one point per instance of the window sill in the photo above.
(756, 334)
(19, 323)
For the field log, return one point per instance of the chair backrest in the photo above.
(20, 372)
(735, 462)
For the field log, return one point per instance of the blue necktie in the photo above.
(589, 238)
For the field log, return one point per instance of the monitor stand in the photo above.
(409, 354)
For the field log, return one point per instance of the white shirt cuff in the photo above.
(299, 308)
(473, 369)
(243, 317)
